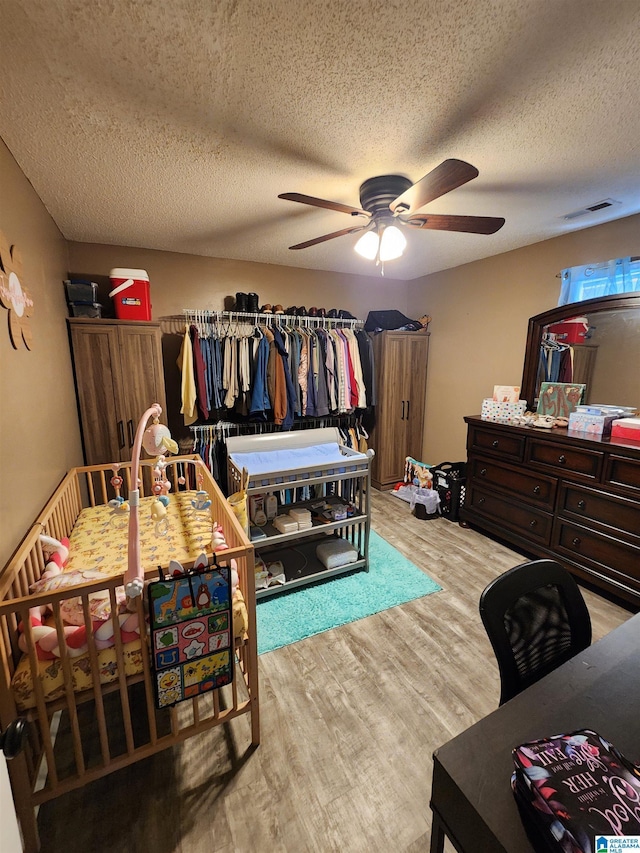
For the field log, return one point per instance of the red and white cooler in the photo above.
(571, 331)
(130, 294)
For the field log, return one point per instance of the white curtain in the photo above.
(620, 275)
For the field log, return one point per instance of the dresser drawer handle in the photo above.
(536, 490)
(575, 541)
(533, 523)
(562, 459)
(495, 443)
(581, 504)
(483, 472)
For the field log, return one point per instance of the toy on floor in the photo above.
(417, 473)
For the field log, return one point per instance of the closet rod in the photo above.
(205, 316)
(269, 426)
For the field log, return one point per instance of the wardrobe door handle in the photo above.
(130, 429)
(581, 504)
(408, 405)
(403, 410)
(562, 459)
(120, 435)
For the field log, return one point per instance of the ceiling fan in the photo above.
(390, 199)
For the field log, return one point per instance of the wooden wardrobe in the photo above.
(119, 374)
(401, 380)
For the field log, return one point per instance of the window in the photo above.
(620, 275)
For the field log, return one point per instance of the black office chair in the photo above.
(536, 619)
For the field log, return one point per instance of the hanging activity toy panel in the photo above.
(190, 622)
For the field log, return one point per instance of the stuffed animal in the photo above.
(423, 476)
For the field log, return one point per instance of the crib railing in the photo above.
(113, 722)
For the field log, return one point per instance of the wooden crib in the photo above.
(110, 719)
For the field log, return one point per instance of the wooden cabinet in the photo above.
(553, 494)
(401, 378)
(119, 374)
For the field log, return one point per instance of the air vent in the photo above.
(599, 205)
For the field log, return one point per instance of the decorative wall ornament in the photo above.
(13, 295)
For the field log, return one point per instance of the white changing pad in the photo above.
(335, 553)
(272, 461)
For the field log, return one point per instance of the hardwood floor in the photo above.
(350, 719)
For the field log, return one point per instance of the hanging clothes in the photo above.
(188, 383)
(269, 372)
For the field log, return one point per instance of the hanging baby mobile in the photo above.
(13, 295)
(156, 441)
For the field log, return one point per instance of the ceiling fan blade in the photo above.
(442, 222)
(321, 202)
(329, 237)
(449, 175)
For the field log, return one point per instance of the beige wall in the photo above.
(187, 281)
(479, 328)
(39, 434)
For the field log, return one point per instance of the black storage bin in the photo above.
(81, 292)
(83, 309)
(449, 478)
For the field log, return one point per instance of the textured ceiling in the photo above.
(175, 125)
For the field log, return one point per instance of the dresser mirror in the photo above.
(606, 359)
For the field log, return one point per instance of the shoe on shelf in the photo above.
(313, 312)
(278, 309)
(302, 311)
(332, 313)
(266, 308)
(241, 302)
(345, 315)
(252, 303)
(322, 312)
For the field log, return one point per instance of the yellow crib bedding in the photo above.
(100, 535)
(51, 674)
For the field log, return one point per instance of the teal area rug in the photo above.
(303, 612)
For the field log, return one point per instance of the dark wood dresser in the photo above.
(552, 494)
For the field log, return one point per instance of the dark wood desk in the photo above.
(471, 796)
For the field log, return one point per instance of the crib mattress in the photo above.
(51, 674)
(100, 536)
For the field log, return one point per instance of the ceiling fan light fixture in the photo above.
(392, 243)
(367, 245)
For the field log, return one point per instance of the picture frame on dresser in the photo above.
(567, 495)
